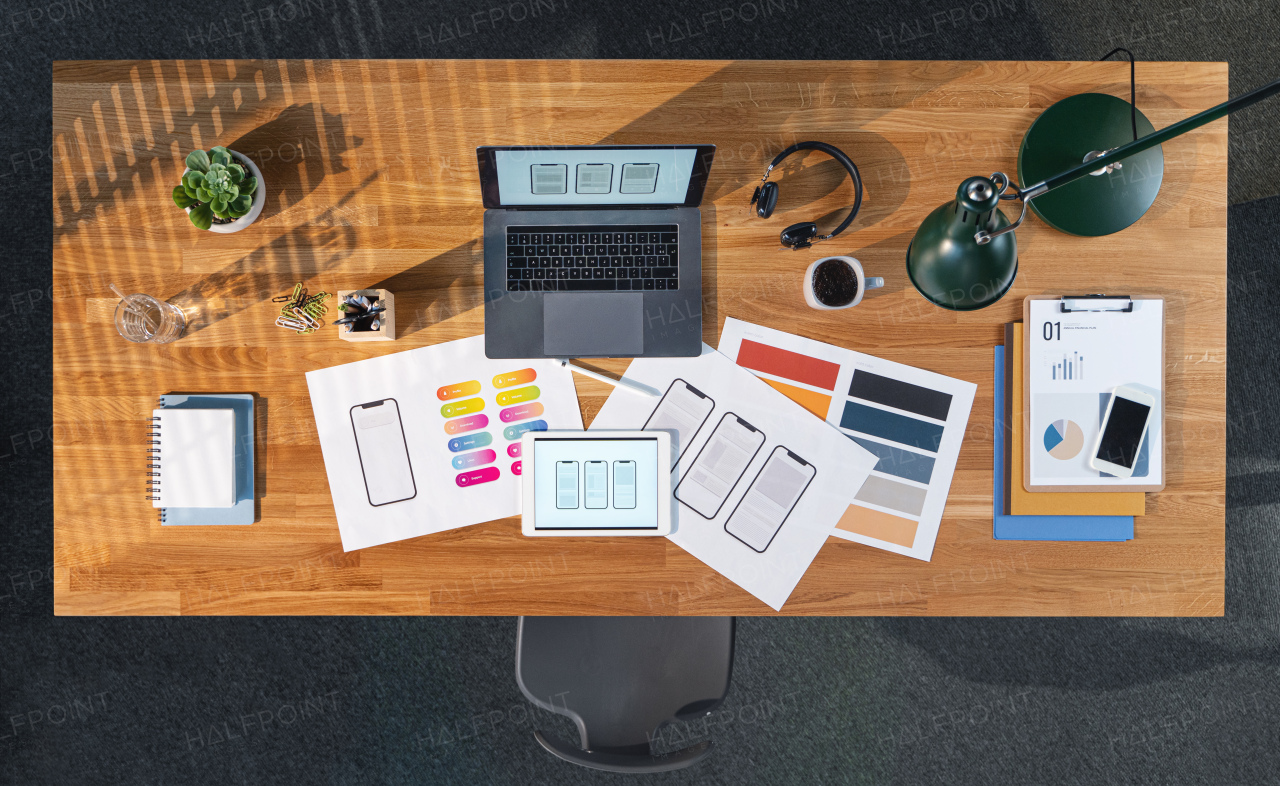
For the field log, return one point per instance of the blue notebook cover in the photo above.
(242, 512)
(1081, 528)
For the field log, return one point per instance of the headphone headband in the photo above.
(844, 161)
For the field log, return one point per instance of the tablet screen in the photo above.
(595, 483)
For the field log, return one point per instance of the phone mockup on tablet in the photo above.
(593, 483)
(566, 485)
(770, 499)
(720, 464)
(682, 410)
(383, 452)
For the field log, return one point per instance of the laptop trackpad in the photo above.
(592, 324)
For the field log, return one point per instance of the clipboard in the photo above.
(1082, 304)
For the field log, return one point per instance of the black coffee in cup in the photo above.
(835, 283)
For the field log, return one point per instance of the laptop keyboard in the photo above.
(582, 258)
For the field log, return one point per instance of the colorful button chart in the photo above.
(1063, 439)
(462, 407)
(512, 433)
(479, 458)
(462, 425)
(515, 468)
(470, 442)
(521, 412)
(519, 394)
(459, 390)
(477, 476)
(514, 449)
(522, 377)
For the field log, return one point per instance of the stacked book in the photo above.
(1023, 515)
(200, 459)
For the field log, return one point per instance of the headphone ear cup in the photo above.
(766, 199)
(798, 236)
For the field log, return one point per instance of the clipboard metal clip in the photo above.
(1070, 303)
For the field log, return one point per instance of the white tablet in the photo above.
(592, 483)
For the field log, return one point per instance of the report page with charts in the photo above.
(757, 482)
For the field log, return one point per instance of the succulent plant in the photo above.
(216, 186)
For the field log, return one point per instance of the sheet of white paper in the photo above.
(455, 420)
(913, 420)
(1076, 360)
(725, 486)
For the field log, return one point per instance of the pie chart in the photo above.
(1063, 439)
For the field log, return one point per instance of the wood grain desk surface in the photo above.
(371, 180)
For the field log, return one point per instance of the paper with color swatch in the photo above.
(757, 483)
(912, 420)
(427, 440)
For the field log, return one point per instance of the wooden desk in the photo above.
(371, 178)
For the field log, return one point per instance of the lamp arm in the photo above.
(1147, 142)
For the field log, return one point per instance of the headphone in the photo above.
(805, 234)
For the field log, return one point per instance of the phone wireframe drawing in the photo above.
(383, 452)
(566, 485)
(719, 465)
(683, 409)
(770, 498)
(624, 485)
(595, 486)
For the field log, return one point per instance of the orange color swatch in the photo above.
(817, 403)
(879, 525)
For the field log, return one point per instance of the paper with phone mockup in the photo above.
(912, 420)
(758, 484)
(427, 440)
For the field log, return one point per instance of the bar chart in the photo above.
(1070, 368)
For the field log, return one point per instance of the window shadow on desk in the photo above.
(297, 255)
(451, 283)
(295, 151)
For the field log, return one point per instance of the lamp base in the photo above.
(1061, 137)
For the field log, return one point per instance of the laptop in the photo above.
(593, 251)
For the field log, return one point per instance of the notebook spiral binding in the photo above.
(153, 459)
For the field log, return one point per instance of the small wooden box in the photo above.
(387, 331)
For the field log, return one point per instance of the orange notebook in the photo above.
(1050, 503)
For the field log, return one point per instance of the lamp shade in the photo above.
(948, 266)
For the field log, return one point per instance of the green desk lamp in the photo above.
(964, 256)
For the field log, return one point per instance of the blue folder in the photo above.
(243, 511)
(1090, 528)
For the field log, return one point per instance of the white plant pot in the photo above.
(259, 198)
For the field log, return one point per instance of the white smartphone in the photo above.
(682, 410)
(1123, 428)
(719, 466)
(596, 485)
(383, 452)
(770, 499)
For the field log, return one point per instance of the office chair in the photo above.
(622, 678)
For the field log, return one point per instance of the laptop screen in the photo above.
(594, 175)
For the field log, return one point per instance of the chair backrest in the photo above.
(621, 678)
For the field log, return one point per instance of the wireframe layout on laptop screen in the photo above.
(588, 176)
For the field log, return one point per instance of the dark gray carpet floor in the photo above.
(820, 701)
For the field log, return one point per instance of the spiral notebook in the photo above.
(202, 453)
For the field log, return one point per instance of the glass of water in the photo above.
(145, 320)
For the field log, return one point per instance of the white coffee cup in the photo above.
(864, 283)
